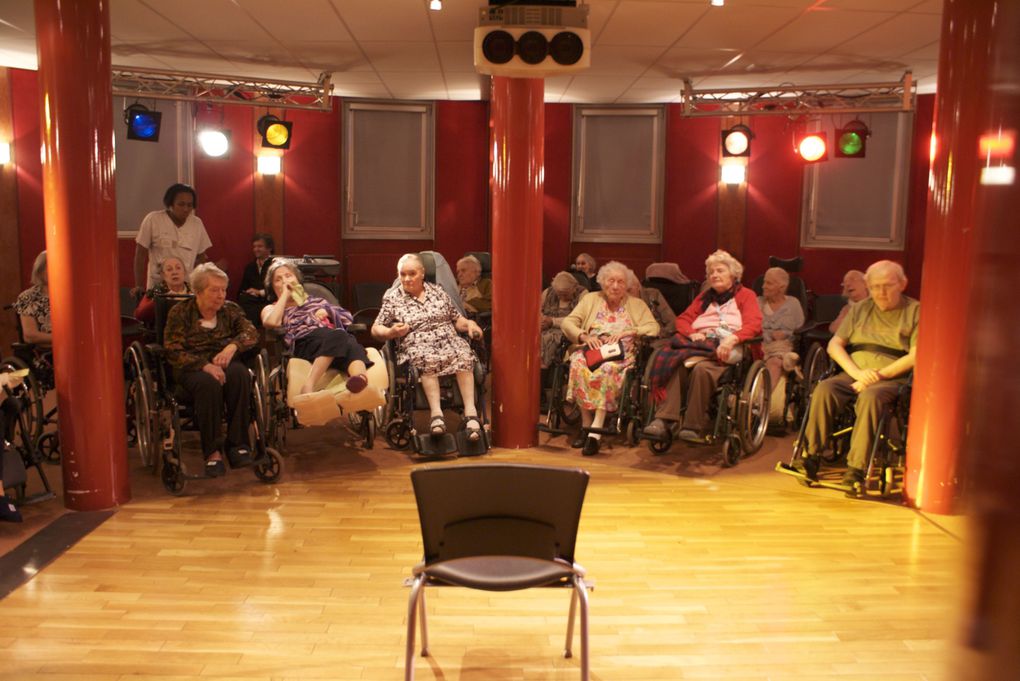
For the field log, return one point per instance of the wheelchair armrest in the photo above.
(156, 349)
(356, 328)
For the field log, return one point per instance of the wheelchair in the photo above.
(40, 381)
(886, 462)
(361, 415)
(628, 419)
(738, 410)
(791, 397)
(405, 395)
(162, 410)
(23, 441)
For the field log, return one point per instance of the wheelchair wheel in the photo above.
(279, 412)
(172, 478)
(269, 470)
(261, 377)
(633, 433)
(570, 413)
(146, 427)
(398, 435)
(661, 446)
(753, 408)
(48, 446)
(31, 393)
(732, 450)
(368, 428)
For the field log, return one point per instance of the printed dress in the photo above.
(433, 346)
(600, 389)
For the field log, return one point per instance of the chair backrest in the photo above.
(313, 288)
(826, 307)
(163, 306)
(369, 294)
(499, 509)
(679, 296)
(791, 265)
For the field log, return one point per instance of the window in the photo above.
(860, 202)
(387, 162)
(144, 170)
(618, 171)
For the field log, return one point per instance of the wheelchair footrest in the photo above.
(601, 431)
(468, 448)
(552, 431)
(427, 445)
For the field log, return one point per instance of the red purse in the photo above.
(609, 352)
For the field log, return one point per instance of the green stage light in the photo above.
(852, 140)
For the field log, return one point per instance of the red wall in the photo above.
(312, 191)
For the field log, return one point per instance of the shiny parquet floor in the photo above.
(702, 573)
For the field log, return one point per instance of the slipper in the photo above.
(356, 384)
(437, 426)
(239, 457)
(473, 428)
(214, 469)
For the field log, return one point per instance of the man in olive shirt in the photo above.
(875, 345)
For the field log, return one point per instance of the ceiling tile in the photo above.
(613, 60)
(738, 28)
(818, 31)
(402, 56)
(208, 19)
(899, 35)
(327, 56)
(386, 20)
(290, 22)
(457, 56)
(650, 23)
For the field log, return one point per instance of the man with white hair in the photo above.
(875, 346)
(855, 289)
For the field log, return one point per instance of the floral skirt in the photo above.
(598, 389)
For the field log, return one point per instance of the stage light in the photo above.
(5, 153)
(435, 5)
(717, 3)
(852, 140)
(997, 145)
(734, 173)
(214, 143)
(813, 147)
(737, 141)
(142, 124)
(268, 165)
(275, 133)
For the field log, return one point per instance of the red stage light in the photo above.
(813, 147)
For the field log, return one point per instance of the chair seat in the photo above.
(499, 573)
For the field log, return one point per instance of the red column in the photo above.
(936, 420)
(517, 157)
(73, 39)
(991, 618)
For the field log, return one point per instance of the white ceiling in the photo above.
(642, 49)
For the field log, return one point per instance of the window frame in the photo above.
(896, 235)
(650, 233)
(426, 214)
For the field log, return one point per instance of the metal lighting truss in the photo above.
(205, 87)
(790, 100)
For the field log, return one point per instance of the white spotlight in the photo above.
(213, 142)
(435, 5)
(717, 3)
(5, 153)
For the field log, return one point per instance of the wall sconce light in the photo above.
(5, 153)
(734, 173)
(215, 143)
(268, 165)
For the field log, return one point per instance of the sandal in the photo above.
(473, 428)
(438, 426)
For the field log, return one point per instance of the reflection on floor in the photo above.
(702, 572)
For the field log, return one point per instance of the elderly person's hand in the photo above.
(546, 322)
(473, 330)
(726, 347)
(866, 377)
(591, 340)
(216, 372)
(399, 330)
(224, 357)
(697, 337)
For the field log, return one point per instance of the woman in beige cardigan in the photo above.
(602, 317)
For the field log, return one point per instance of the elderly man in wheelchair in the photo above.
(875, 348)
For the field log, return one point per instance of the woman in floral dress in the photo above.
(603, 317)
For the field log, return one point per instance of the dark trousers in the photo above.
(830, 397)
(699, 382)
(11, 408)
(209, 398)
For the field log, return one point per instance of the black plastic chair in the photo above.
(498, 527)
(679, 296)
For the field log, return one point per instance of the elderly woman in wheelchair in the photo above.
(708, 346)
(782, 319)
(874, 347)
(424, 324)
(326, 372)
(605, 323)
(202, 339)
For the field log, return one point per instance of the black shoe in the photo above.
(591, 446)
(853, 476)
(214, 469)
(578, 441)
(809, 466)
(8, 511)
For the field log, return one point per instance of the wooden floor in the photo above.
(701, 573)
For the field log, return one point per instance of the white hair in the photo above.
(617, 266)
(39, 275)
(889, 266)
(471, 260)
(410, 257)
(779, 273)
(721, 256)
(201, 275)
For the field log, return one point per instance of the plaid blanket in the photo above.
(671, 356)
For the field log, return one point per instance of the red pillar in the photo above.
(936, 420)
(991, 618)
(73, 39)
(517, 157)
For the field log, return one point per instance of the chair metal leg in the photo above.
(581, 589)
(423, 624)
(570, 623)
(412, 604)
